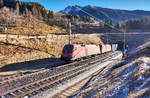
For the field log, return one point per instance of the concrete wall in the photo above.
(32, 37)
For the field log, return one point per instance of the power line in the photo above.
(126, 33)
(69, 4)
(123, 32)
(111, 26)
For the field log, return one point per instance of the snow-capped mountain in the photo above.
(71, 9)
(106, 13)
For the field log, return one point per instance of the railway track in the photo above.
(76, 88)
(95, 67)
(19, 75)
(73, 89)
(63, 86)
(56, 76)
(82, 86)
(84, 90)
(8, 78)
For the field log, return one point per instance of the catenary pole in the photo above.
(70, 32)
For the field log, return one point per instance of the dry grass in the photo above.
(19, 24)
(16, 50)
(31, 26)
(20, 50)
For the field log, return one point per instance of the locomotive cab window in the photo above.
(68, 49)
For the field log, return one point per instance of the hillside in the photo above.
(17, 24)
(33, 18)
(21, 26)
(13, 21)
(106, 13)
(27, 8)
(129, 78)
(38, 49)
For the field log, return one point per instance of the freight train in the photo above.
(76, 51)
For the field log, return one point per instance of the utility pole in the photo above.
(5, 30)
(107, 38)
(70, 31)
(124, 38)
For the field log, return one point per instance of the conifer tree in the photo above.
(1, 3)
(117, 25)
(17, 8)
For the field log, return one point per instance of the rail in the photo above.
(52, 77)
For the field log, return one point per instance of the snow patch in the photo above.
(71, 9)
(148, 80)
(77, 9)
(67, 10)
(141, 78)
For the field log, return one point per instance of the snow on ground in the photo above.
(129, 79)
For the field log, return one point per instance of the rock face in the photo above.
(106, 13)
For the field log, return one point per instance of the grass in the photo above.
(32, 26)
(16, 50)
(25, 25)
(20, 50)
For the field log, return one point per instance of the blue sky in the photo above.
(57, 5)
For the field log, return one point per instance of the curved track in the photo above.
(48, 78)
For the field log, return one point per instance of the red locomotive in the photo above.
(75, 51)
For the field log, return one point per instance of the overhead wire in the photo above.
(70, 4)
(134, 33)
(111, 26)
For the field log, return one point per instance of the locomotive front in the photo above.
(67, 52)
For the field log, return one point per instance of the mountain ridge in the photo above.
(106, 13)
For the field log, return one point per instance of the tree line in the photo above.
(140, 24)
(35, 9)
(134, 24)
(27, 9)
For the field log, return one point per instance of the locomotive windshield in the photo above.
(68, 49)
